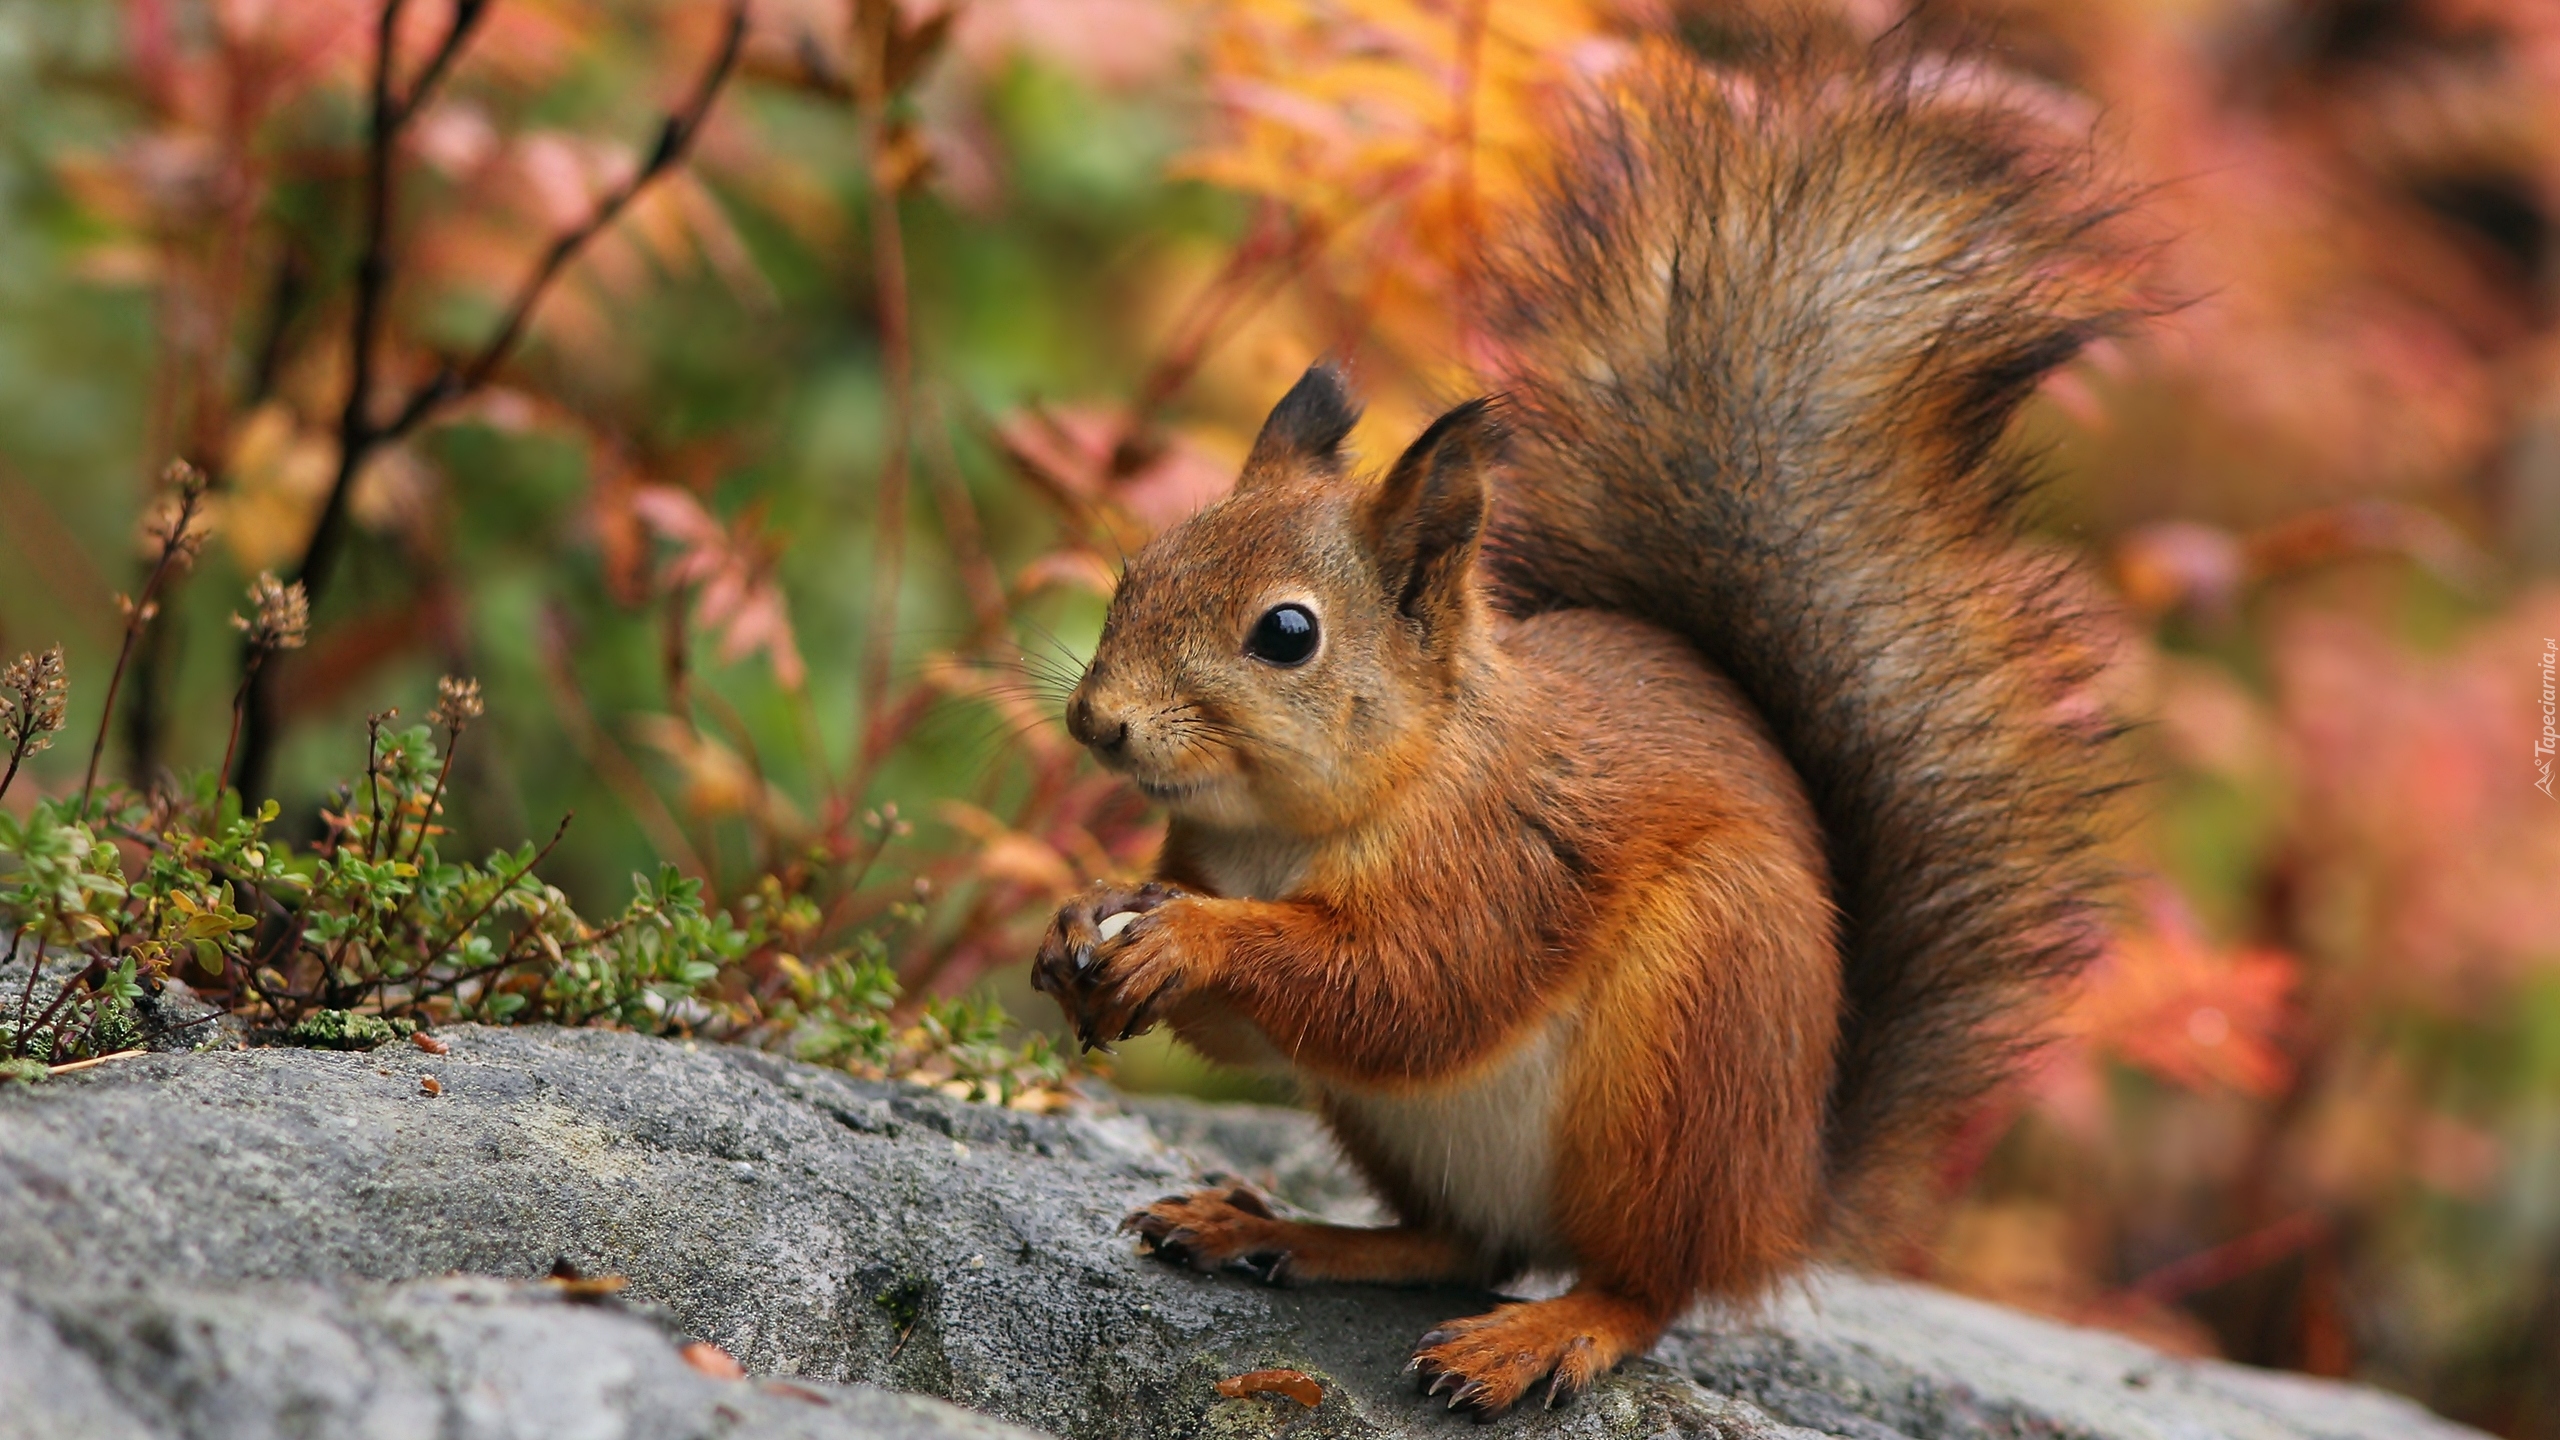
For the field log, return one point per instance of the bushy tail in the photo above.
(1766, 336)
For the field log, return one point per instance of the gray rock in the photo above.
(830, 1230)
(456, 1359)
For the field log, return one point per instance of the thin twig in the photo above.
(255, 661)
(445, 947)
(435, 797)
(167, 1030)
(889, 518)
(466, 15)
(2232, 1259)
(251, 964)
(173, 549)
(17, 757)
(372, 785)
(284, 298)
(146, 707)
(1260, 266)
(759, 818)
(606, 758)
(96, 966)
(35, 967)
(95, 1060)
(516, 954)
(966, 539)
(425, 989)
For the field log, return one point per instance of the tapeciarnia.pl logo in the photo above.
(2550, 738)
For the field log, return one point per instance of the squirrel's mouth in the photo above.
(1166, 792)
(1162, 789)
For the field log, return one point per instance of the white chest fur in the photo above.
(1250, 868)
(1478, 1150)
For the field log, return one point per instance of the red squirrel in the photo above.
(1644, 817)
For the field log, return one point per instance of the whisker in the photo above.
(1059, 647)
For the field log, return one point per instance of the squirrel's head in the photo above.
(1273, 661)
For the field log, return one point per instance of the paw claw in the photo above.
(1268, 1267)
(1489, 1363)
(1211, 1230)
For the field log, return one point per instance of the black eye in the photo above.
(1285, 635)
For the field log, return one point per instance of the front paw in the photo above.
(1229, 1228)
(1135, 977)
(1067, 950)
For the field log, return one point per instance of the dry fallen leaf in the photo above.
(1298, 1385)
(428, 1043)
(711, 1360)
(429, 1085)
(587, 1287)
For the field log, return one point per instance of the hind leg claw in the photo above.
(1228, 1227)
(1489, 1363)
(1224, 1228)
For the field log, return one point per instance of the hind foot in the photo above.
(1486, 1363)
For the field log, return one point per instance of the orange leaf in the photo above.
(2168, 1000)
(713, 1361)
(1298, 1385)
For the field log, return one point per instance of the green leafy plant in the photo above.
(372, 933)
(843, 1012)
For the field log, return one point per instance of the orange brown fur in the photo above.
(1651, 835)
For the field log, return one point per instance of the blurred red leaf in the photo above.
(2169, 1001)
(731, 571)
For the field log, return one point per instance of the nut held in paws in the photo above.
(1112, 925)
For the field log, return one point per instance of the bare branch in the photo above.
(466, 17)
(675, 140)
(358, 435)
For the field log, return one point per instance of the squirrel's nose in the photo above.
(1094, 732)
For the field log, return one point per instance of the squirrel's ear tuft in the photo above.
(1306, 428)
(1424, 521)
